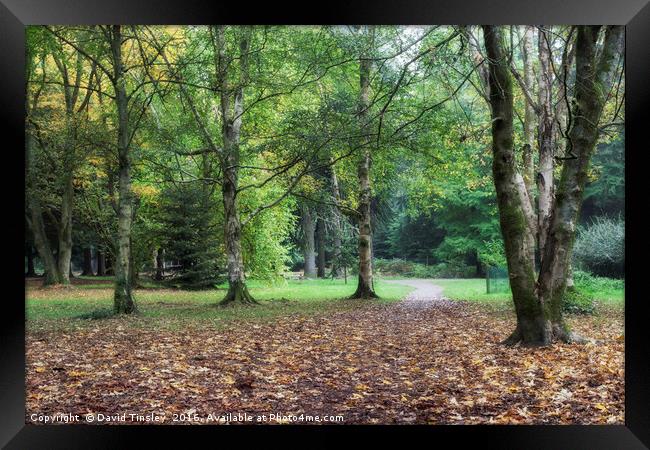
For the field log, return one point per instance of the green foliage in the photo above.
(267, 251)
(577, 302)
(605, 193)
(492, 253)
(600, 246)
(600, 288)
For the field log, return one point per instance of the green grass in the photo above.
(81, 304)
(474, 289)
(95, 277)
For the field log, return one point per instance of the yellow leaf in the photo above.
(76, 373)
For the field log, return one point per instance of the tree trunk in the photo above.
(308, 245)
(35, 217)
(365, 285)
(539, 304)
(595, 71)
(88, 262)
(546, 135)
(101, 263)
(134, 273)
(160, 269)
(237, 290)
(30, 261)
(320, 233)
(337, 258)
(231, 121)
(529, 112)
(533, 324)
(123, 297)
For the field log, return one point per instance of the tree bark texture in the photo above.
(365, 282)
(123, 296)
(101, 263)
(320, 234)
(308, 241)
(88, 262)
(337, 257)
(546, 141)
(529, 112)
(231, 121)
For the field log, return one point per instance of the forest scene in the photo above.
(347, 224)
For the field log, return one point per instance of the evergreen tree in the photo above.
(190, 236)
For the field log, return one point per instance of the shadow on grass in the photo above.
(97, 314)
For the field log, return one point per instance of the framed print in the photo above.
(379, 218)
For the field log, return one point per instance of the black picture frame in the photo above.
(16, 14)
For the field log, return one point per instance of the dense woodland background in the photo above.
(201, 154)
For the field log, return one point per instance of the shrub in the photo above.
(400, 267)
(577, 302)
(599, 247)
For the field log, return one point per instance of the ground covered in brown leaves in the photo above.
(422, 360)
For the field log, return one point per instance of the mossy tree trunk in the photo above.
(123, 295)
(538, 298)
(365, 281)
(596, 67)
(237, 290)
(231, 102)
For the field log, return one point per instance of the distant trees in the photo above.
(55, 144)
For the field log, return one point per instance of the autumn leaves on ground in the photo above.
(411, 357)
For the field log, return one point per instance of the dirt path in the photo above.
(425, 295)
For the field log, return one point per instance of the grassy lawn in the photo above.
(474, 289)
(177, 306)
